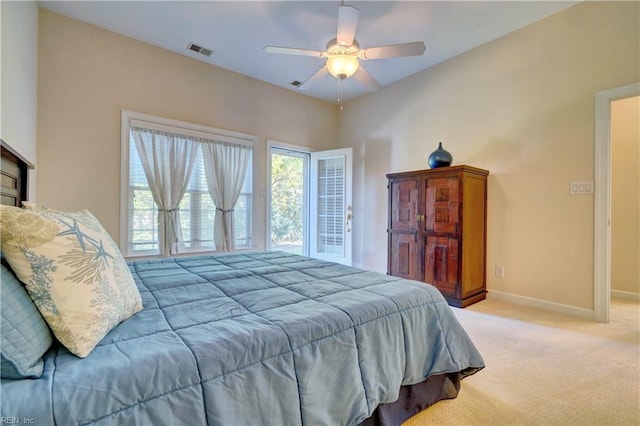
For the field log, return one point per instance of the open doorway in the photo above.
(309, 202)
(289, 200)
(625, 198)
(602, 199)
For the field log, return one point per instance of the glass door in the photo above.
(309, 201)
(289, 201)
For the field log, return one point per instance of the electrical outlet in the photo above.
(499, 271)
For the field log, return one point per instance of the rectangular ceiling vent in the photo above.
(296, 83)
(199, 49)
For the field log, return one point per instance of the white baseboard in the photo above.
(541, 304)
(627, 295)
(369, 268)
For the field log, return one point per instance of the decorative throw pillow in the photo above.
(73, 271)
(24, 335)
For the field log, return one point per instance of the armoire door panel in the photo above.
(404, 205)
(441, 263)
(404, 259)
(442, 205)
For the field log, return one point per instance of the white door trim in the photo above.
(602, 198)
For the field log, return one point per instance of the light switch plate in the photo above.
(581, 187)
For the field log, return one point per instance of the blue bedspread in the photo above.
(249, 339)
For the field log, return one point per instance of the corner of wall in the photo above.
(19, 80)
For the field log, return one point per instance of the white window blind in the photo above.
(331, 175)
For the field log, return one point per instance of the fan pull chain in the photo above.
(340, 92)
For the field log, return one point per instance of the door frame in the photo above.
(602, 198)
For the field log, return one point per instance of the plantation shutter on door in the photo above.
(331, 205)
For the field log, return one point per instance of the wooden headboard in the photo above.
(14, 176)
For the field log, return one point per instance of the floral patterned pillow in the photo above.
(73, 271)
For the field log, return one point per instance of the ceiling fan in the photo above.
(343, 53)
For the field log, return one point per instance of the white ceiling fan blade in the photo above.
(311, 80)
(366, 80)
(347, 23)
(294, 51)
(396, 50)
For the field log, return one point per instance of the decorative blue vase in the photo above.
(440, 157)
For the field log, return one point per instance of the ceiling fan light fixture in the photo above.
(342, 66)
(343, 53)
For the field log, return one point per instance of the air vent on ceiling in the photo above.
(295, 83)
(199, 49)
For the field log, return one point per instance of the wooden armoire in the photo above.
(437, 230)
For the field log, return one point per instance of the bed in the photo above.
(264, 338)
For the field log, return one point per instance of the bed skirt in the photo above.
(415, 398)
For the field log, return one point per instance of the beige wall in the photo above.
(625, 195)
(88, 75)
(523, 108)
(18, 117)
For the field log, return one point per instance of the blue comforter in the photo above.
(248, 339)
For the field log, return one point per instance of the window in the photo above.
(197, 210)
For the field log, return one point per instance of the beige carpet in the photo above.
(546, 369)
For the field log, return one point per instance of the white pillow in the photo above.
(73, 271)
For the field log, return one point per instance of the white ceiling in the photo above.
(237, 32)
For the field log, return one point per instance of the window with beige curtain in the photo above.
(180, 216)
